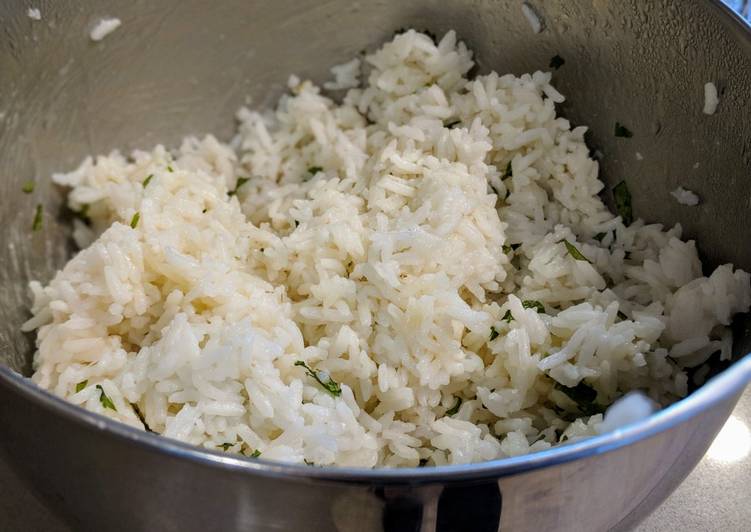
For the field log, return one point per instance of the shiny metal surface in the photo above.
(182, 67)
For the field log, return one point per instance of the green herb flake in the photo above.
(81, 385)
(584, 396)
(622, 315)
(36, 224)
(509, 171)
(106, 401)
(622, 198)
(329, 385)
(83, 214)
(507, 249)
(452, 125)
(599, 236)
(226, 446)
(134, 220)
(531, 303)
(240, 182)
(147, 180)
(313, 170)
(493, 333)
(255, 454)
(556, 62)
(141, 417)
(170, 169)
(574, 252)
(622, 131)
(28, 187)
(508, 317)
(454, 409)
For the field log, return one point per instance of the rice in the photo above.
(532, 18)
(34, 13)
(685, 197)
(711, 100)
(103, 28)
(345, 76)
(422, 273)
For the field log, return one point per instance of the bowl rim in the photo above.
(723, 388)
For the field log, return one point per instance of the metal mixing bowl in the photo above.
(182, 67)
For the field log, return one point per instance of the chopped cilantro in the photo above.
(329, 384)
(255, 454)
(622, 198)
(28, 187)
(81, 385)
(83, 214)
(147, 180)
(556, 62)
(134, 220)
(584, 396)
(170, 169)
(531, 303)
(574, 252)
(622, 131)
(509, 171)
(507, 249)
(36, 224)
(508, 317)
(622, 315)
(240, 182)
(454, 409)
(141, 417)
(106, 401)
(493, 333)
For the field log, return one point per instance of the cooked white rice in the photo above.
(103, 28)
(685, 196)
(34, 13)
(382, 242)
(711, 99)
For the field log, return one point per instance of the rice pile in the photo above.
(421, 274)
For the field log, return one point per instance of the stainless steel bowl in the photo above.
(185, 66)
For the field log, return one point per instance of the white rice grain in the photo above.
(685, 197)
(711, 99)
(103, 28)
(532, 17)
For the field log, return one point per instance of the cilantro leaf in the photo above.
(329, 384)
(36, 224)
(557, 62)
(106, 401)
(622, 131)
(574, 252)
(622, 198)
(454, 409)
(530, 303)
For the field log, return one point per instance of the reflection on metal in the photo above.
(732, 444)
